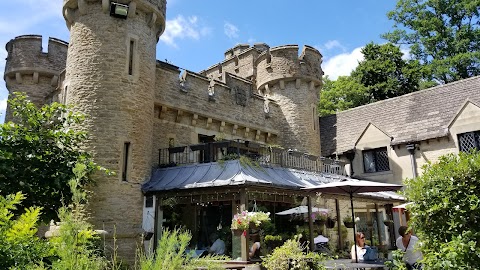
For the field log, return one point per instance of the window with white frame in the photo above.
(376, 160)
(469, 141)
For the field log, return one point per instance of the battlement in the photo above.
(25, 56)
(153, 11)
(284, 63)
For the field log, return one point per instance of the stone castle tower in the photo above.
(136, 105)
(110, 76)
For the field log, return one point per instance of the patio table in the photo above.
(348, 264)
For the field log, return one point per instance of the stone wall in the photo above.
(30, 70)
(110, 76)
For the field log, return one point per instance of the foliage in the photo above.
(241, 221)
(258, 217)
(381, 75)
(321, 216)
(347, 219)
(385, 74)
(340, 95)
(38, 152)
(171, 254)
(446, 211)
(75, 244)
(20, 248)
(292, 252)
(397, 262)
(443, 34)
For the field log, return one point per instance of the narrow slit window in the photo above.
(126, 152)
(314, 122)
(130, 57)
(65, 95)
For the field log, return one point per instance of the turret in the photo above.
(294, 82)
(110, 77)
(30, 70)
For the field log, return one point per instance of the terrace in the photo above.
(263, 155)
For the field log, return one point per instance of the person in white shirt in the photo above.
(360, 247)
(218, 246)
(408, 244)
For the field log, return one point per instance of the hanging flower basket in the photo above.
(246, 220)
(349, 224)
(237, 232)
(330, 222)
(388, 222)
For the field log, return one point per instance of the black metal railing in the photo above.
(264, 155)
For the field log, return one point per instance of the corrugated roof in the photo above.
(233, 173)
(413, 117)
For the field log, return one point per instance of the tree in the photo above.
(444, 35)
(38, 152)
(340, 95)
(382, 74)
(385, 74)
(446, 211)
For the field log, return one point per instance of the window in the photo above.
(376, 160)
(469, 141)
(130, 57)
(126, 149)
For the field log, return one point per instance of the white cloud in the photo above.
(25, 14)
(230, 30)
(3, 108)
(181, 28)
(332, 44)
(342, 64)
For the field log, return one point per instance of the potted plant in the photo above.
(257, 218)
(331, 222)
(348, 222)
(320, 218)
(388, 222)
(240, 223)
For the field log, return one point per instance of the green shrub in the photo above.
(171, 254)
(75, 246)
(292, 252)
(20, 248)
(446, 211)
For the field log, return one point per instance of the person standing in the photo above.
(407, 243)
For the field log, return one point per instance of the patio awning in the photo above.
(233, 173)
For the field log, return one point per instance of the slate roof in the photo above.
(413, 117)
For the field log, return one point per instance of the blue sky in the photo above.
(198, 32)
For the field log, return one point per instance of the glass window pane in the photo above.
(369, 161)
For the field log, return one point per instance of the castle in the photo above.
(137, 104)
(258, 94)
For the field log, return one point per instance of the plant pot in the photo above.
(320, 222)
(330, 223)
(237, 232)
(388, 222)
(349, 224)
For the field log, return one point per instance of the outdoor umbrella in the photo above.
(351, 187)
(303, 209)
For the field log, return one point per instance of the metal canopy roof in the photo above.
(233, 173)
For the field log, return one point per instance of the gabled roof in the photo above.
(413, 117)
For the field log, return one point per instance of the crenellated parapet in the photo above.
(26, 58)
(283, 63)
(239, 60)
(151, 11)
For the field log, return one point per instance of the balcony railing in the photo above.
(264, 155)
